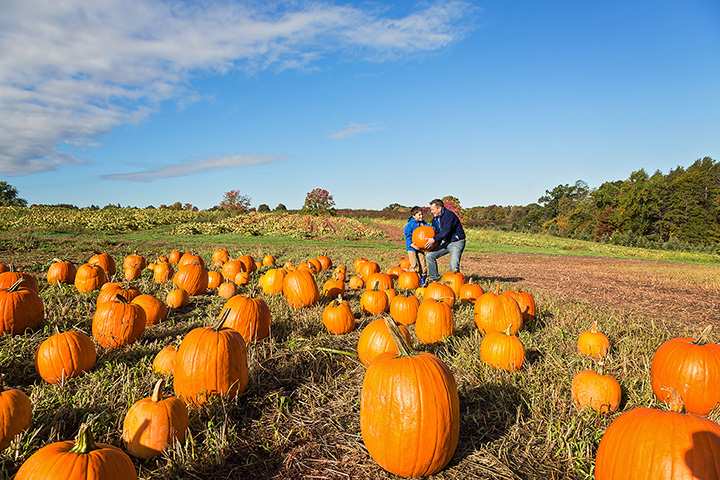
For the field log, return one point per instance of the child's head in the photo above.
(416, 213)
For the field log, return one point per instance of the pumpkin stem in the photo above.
(508, 330)
(84, 442)
(594, 328)
(404, 349)
(223, 316)
(55, 260)
(497, 288)
(601, 367)
(156, 395)
(704, 336)
(120, 298)
(16, 286)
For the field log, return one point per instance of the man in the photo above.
(449, 238)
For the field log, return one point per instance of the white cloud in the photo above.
(352, 129)
(189, 168)
(71, 70)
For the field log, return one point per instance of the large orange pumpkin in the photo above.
(646, 443)
(375, 339)
(592, 390)
(454, 280)
(374, 302)
(593, 343)
(65, 355)
(109, 290)
(525, 301)
(79, 459)
(118, 323)
(338, 317)
(105, 261)
(502, 350)
(15, 414)
(248, 316)
(155, 310)
(20, 309)
(152, 424)
(408, 281)
(300, 289)
(434, 321)
(495, 313)
(61, 271)
(28, 281)
(210, 361)
(404, 309)
(378, 281)
(470, 292)
(409, 411)
(440, 291)
(89, 277)
(421, 235)
(690, 368)
(192, 278)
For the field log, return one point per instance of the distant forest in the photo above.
(676, 210)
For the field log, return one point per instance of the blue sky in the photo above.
(492, 101)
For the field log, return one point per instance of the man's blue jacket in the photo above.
(447, 228)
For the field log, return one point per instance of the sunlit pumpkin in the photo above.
(495, 313)
(356, 283)
(271, 281)
(434, 321)
(117, 323)
(155, 310)
(177, 298)
(192, 278)
(593, 343)
(300, 289)
(219, 257)
(105, 261)
(214, 280)
(338, 317)
(470, 292)
(325, 262)
(378, 281)
(408, 281)
(248, 316)
(268, 261)
(162, 272)
(440, 291)
(28, 280)
(332, 288)
(421, 235)
(15, 414)
(592, 390)
(227, 290)
(231, 268)
(502, 350)
(109, 290)
(374, 302)
(164, 361)
(89, 277)
(20, 309)
(375, 340)
(367, 268)
(454, 280)
(189, 258)
(65, 355)
(525, 301)
(61, 271)
(404, 309)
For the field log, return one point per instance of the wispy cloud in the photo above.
(352, 129)
(73, 69)
(189, 168)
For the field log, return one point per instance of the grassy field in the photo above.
(300, 415)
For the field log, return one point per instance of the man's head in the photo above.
(436, 207)
(416, 213)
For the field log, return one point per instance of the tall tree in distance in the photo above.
(9, 196)
(452, 203)
(318, 201)
(234, 201)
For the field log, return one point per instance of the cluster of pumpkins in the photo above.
(409, 412)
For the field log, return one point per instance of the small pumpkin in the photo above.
(163, 272)
(421, 235)
(374, 302)
(378, 281)
(214, 280)
(210, 361)
(79, 459)
(89, 277)
(593, 390)
(333, 288)
(325, 262)
(227, 290)
(356, 283)
(109, 290)
(155, 310)
(174, 256)
(375, 340)
(404, 309)
(525, 301)
(367, 268)
(300, 289)
(231, 268)
(15, 414)
(394, 272)
(20, 309)
(248, 262)
(470, 292)
(593, 343)
(434, 321)
(502, 350)
(189, 258)
(408, 281)
(495, 313)
(338, 317)
(340, 273)
(248, 316)
(65, 355)
(219, 257)
(454, 280)
(61, 271)
(177, 298)
(134, 261)
(117, 323)
(404, 263)
(131, 273)
(271, 281)
(268, 261)
(105, 261)
(152, 424)
(164, 361)
(29, 281)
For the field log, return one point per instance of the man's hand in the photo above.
(429, 243)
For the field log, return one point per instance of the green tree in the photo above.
(9, 196)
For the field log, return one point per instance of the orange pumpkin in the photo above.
(227, 290)
(271, 281)
(189, 258)
(134, 261)
(15, 414)
(300, 289)
(338, 317)
(325, 262)
(79, 459)
(502, 350)
(355, 283)
(155, 310)
(65, 355)
(374, 302)
(219, 257)
(404, 309)
(131, 273)
(268, 261)
(408, 281)
(652, 444)
(210, 361)
(691, 368)
(174, 256)
(29, 281)
(421, 235)
(440, 291)
(409, 411)
(434, 321)
(152, 424)
(177, 298)
(367, 268)
(89, 277)
(242, 278)
(405, 263)
(495, 313)
(593, 343)
(248, 316)
(231, 268)
(525, 301)
(192, 278)
(20, 309)
(470, 292)
(248, 262)
(394, 272)
(61, 271)
(375, 340)
(593, 390)
(117, 323)
(104, 261)
(340, 273)
(162, 272)
(378, 281)
(109, 290)
(214, 280)
(454, 280)
(332, 288)
(164, 361)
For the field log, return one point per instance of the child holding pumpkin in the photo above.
(415, 255)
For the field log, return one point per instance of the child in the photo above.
(416, 257)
